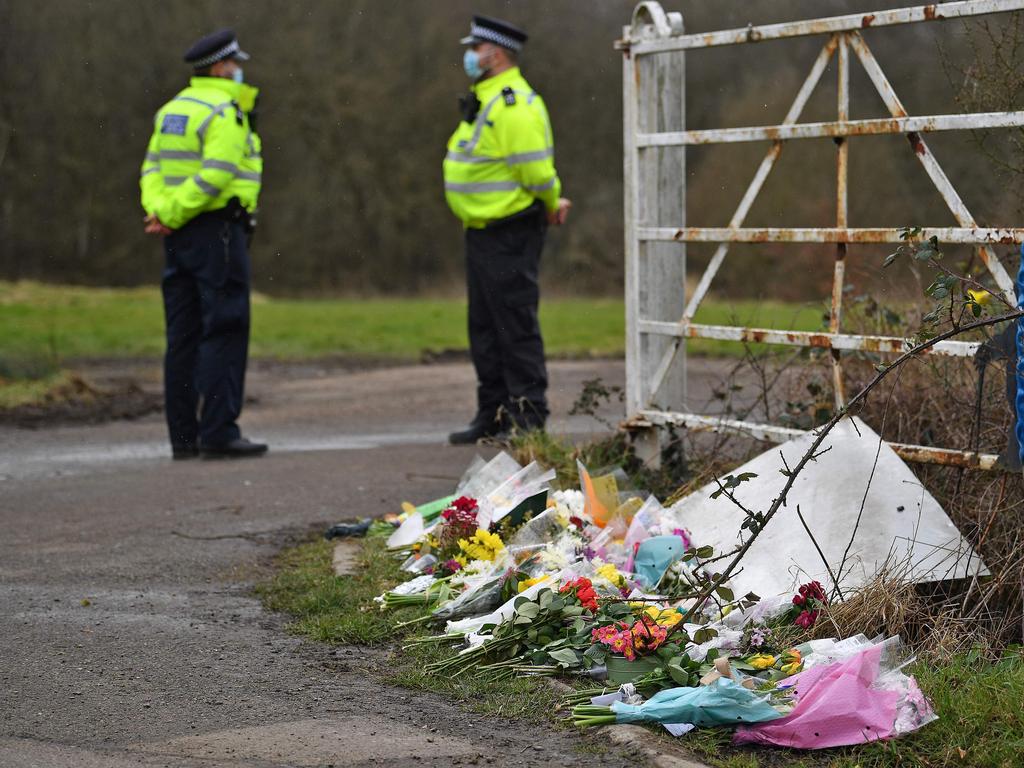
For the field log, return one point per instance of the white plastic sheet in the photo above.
(527, 482)
(480, 478)
(409, 532)
(901, 522)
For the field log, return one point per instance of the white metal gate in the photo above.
(655, 137)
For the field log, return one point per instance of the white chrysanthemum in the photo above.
(571, 499)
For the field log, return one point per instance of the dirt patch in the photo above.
(77, 401)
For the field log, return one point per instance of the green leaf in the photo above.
(565, 656)
(725, 593)
(529, 610)
(705, 552)
(678, 674)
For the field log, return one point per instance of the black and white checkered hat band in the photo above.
(213, 58)
(493, 36)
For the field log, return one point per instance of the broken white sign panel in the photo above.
(843, 496)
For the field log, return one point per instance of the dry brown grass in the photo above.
(932, 401)
(890, 604)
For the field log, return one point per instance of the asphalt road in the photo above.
(129, 632)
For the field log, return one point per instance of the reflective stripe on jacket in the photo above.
(500, 163)
(202, 152)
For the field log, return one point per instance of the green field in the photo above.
(62, 323)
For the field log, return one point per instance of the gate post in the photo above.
(654, 100)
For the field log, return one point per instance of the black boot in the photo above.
(184, 451)
(240, 448)
(484, 425)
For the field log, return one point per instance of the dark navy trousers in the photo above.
(206, 305)
(502, 269)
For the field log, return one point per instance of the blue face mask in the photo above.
(471, 63)
(238, 76)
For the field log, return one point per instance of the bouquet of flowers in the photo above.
(638, 639)
(808, 604)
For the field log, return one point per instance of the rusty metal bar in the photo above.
(667, 35)
(931, 165)
(836, 341)
(792, 115)
(968, 235)
(922, 454)
(631, 210)
(842, 164)
(873, 127)
(763, 32)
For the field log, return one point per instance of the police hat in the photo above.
(213, 48)
(484, 29)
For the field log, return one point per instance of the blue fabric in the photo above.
(1020, 359)
(724, 702)
(654, 556)
(206, 304)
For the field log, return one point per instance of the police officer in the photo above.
(200, 183)
(500, 180)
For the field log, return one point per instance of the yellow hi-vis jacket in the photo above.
(500, 163)
(202, 152)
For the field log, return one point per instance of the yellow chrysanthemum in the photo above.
(481, 546)
(527, 583)
(610, 572)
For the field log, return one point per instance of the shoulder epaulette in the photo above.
(509, 94)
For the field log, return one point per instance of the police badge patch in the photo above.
(174, 124)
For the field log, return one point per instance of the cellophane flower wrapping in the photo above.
(724, 702)
(865, 697)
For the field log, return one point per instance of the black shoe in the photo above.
(348, 530)
(182, 452)
(480, 428)
(240, 448)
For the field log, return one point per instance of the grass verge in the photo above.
(18, 392)
(337, 610)
(73, 322)
(981, 722)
